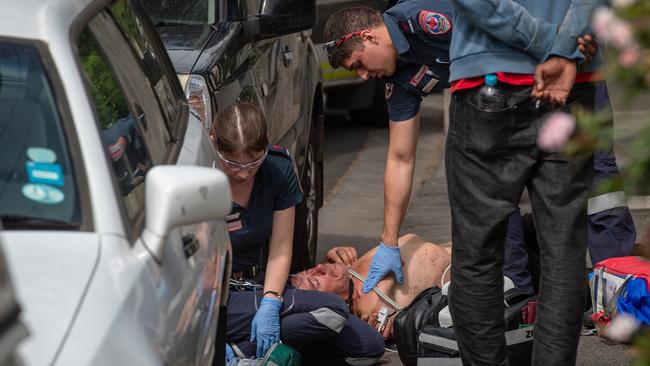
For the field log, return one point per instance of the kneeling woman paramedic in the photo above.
(265, 191)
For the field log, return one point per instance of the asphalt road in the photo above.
(353, 209)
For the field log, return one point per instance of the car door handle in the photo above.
(190, 245)
(287, 55)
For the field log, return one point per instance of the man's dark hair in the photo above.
(346, 21)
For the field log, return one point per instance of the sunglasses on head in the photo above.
(331, 47)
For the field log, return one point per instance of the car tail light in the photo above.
(198, 98)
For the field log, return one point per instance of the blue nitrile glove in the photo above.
(266, 325)
(230, 353)
(386, 259)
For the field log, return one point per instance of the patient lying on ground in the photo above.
(423, 262)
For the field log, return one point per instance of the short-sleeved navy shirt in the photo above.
(276, 188)
(420, 31)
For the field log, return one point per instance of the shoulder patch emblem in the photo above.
(389, 90)
(432, 22)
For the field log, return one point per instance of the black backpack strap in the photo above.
(515, 295)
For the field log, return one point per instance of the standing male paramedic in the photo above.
(409, 47)
(491, 156)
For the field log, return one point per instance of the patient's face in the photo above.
(329, 277)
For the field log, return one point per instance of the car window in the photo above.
(138, 92)
(153, 59)
(120, 129)
(182, 12)
(37, 180)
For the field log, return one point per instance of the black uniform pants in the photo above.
(318, 324)
(490, 157)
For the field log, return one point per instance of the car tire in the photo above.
(306, 225)
(375, 114)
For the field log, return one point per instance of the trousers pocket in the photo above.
(486, 133)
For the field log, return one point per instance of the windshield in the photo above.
(37, 185)
(182, 12)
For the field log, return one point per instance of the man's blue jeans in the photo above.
(490, 157)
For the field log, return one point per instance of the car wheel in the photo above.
(306, 228)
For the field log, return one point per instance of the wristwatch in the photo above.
(274, 293)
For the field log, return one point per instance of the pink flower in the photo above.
(629, 56)
(623, 3)
(611, 29)
(556, 131)
(602, 18)
(620, 34)
(622, 328)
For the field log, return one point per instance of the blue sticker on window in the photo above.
(42, 193)
(45, 173)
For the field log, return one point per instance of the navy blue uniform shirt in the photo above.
(420, 31)
(276, 188)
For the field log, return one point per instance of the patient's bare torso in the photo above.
(423, 264)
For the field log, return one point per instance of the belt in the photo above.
(249, 272)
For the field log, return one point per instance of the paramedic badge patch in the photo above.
(389, 90)
(434, 23)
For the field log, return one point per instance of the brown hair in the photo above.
(241, 127)
(346, 21)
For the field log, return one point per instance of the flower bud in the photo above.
(556, 132)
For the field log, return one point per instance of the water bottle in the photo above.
(490, 98)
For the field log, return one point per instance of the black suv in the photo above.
(259, 51)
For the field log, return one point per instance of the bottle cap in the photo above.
(491, 79)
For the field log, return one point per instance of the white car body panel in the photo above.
(51, 271)
(120, 305)
(95, 298)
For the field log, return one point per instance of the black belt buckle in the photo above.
(249, 272)
(237, 275)
(244, 285)
(244, 280)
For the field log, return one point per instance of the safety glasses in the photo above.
(235, 166)
(332, 46)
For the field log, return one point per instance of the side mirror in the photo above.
(181, 195)
(280, 17)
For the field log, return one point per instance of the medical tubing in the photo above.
(293, 300)
(444, 274)
(379, 293)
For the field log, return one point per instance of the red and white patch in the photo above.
(419, 75)
(233, 222)
(234, 225)
(389, 90)
(434, 23)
